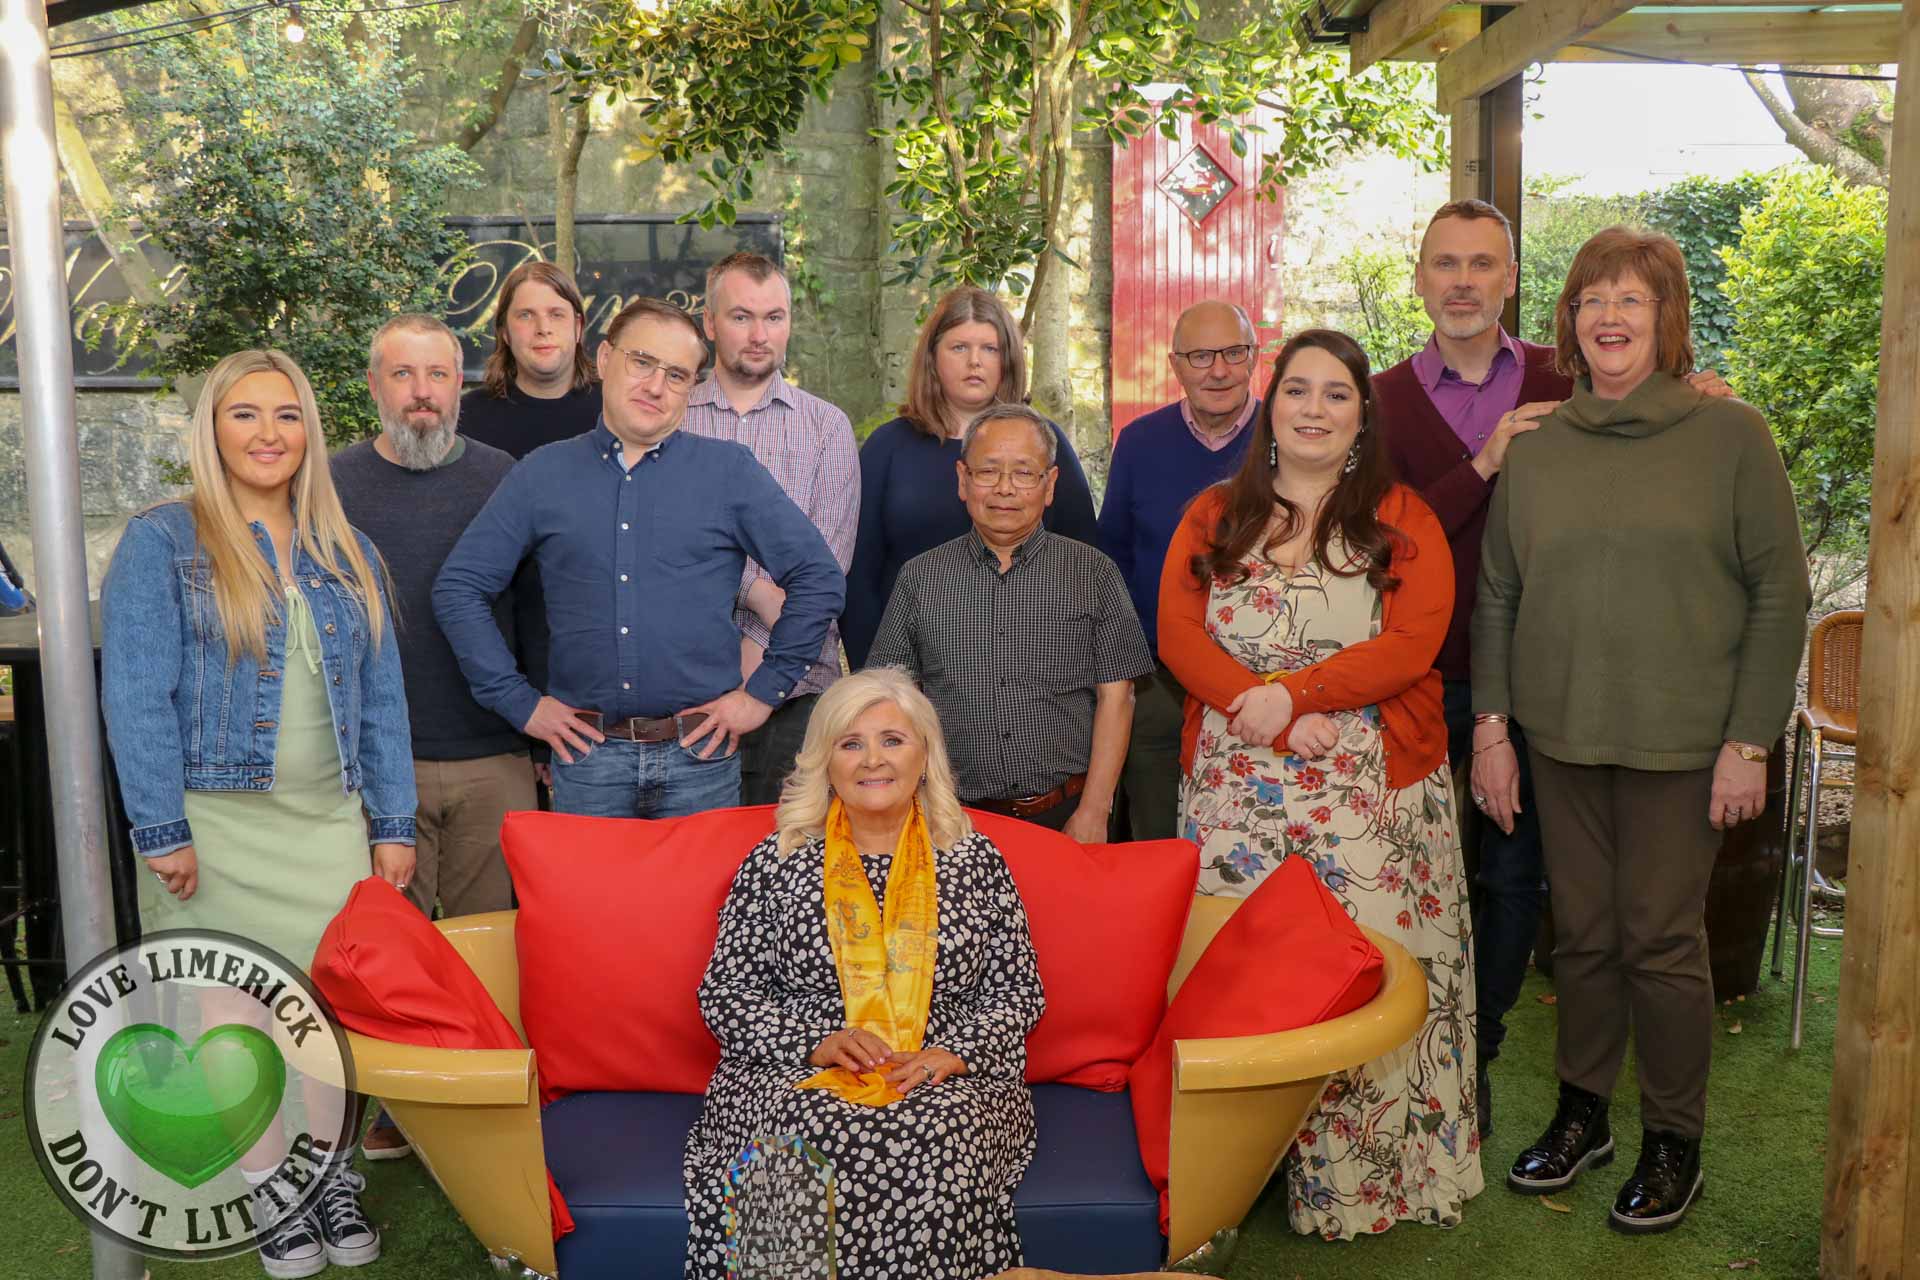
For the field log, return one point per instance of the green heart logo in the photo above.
(190, 1113)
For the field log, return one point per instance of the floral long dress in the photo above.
(1395, 1139)
(924, 1187)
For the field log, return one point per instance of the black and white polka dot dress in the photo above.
(923, 1188)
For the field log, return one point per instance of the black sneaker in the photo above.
(1665, 1184)
(1578, 1139)
(292, 1248)
(350, 1239)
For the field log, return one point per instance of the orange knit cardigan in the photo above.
(1393, 670)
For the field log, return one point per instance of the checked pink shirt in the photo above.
(807, 444)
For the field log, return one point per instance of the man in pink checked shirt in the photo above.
(808, 445)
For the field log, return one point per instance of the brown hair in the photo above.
(1351, 510)
(660, 310)
(758, 267)
(1471, 211)
(501, 370)
(1657, 260)
(925, 404)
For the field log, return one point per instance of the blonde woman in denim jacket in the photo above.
(254, 705)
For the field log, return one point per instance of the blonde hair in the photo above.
(246, 592)
(806, 794)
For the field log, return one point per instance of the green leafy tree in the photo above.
(1391, 322)
(295, 209)
(1553, 226)
(1703, 217)
(1804, 283)
(984, 99)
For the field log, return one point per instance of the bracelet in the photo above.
(1490, 717)
(1504, 742)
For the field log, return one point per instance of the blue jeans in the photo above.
(1511, 884)
(620, 779)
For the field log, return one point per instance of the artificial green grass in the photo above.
(1766, 1145)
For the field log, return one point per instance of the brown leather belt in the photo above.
(1027, 806)
(643, 729)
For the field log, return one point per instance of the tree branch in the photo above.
(1815, 143)
(949, 133)
(470, 136)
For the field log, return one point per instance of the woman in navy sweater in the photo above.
(968, 356)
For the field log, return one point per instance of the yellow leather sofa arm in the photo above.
(456, 1077)
(1381, 1025)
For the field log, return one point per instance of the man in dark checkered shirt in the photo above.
(1025, 641)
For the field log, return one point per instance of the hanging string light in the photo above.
(296, 29)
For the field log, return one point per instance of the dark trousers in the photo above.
(1057, 818)
(1629, 855)
(1150, 778)
(766, 754)
(1509, 889)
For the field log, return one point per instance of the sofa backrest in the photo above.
(485, 942)
(1205, 919)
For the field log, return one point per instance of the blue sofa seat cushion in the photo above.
(1084, 1206)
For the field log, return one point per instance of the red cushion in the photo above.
(616, 926)
(1288, 957)
(389, 974)
(1107, 920)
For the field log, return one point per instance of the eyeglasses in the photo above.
(1628, 304)
(1202, 357)
(641, 366)
(989, 477)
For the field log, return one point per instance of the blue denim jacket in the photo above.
(179, 718)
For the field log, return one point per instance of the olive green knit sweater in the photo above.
(1643, 588)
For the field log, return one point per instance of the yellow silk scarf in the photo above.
(885, 963)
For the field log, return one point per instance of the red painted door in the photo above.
(1186, 226)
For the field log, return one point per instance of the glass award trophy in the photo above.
(779, 1207)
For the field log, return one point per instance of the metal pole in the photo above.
(40, 308)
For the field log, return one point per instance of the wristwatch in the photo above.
(1747, 751)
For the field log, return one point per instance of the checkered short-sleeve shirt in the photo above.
(1011, 660)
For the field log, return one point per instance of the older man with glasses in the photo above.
(641, 532)
(1023, 639)
(1161, 460)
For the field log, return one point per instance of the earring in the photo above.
(1353, 459)
(1273, 455)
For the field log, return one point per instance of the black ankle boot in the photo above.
(1665, 1184)
(1578, 1139)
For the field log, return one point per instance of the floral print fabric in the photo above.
(1395, 1139)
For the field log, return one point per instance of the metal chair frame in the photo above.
(1833, 700)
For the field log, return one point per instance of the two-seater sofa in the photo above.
(476, 1119)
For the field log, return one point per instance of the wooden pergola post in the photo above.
(1871, 1219)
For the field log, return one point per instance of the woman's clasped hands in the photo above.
(861, 1052)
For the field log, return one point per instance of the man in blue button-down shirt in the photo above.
(640, 532)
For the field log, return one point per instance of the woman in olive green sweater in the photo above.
(1642, 604)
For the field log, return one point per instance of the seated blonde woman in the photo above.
(871, 988)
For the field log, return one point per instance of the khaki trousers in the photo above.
(457, 854)
(1629, 854)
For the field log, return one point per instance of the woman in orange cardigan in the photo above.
(1302, 605)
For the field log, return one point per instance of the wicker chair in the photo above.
(1831, 718)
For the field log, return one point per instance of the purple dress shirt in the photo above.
(1472, 410)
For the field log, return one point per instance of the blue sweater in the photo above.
(910, 503)
(1158, 468)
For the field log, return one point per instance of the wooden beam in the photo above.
(1870, 1222)
(1856, 36)
(1535, 30)
(1469, 164)
(1391, 26)
(1827, 39)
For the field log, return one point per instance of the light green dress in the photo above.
(275, 866)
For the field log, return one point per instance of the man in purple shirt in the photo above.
(1447, 415)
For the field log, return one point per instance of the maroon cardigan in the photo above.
(1429, 457)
